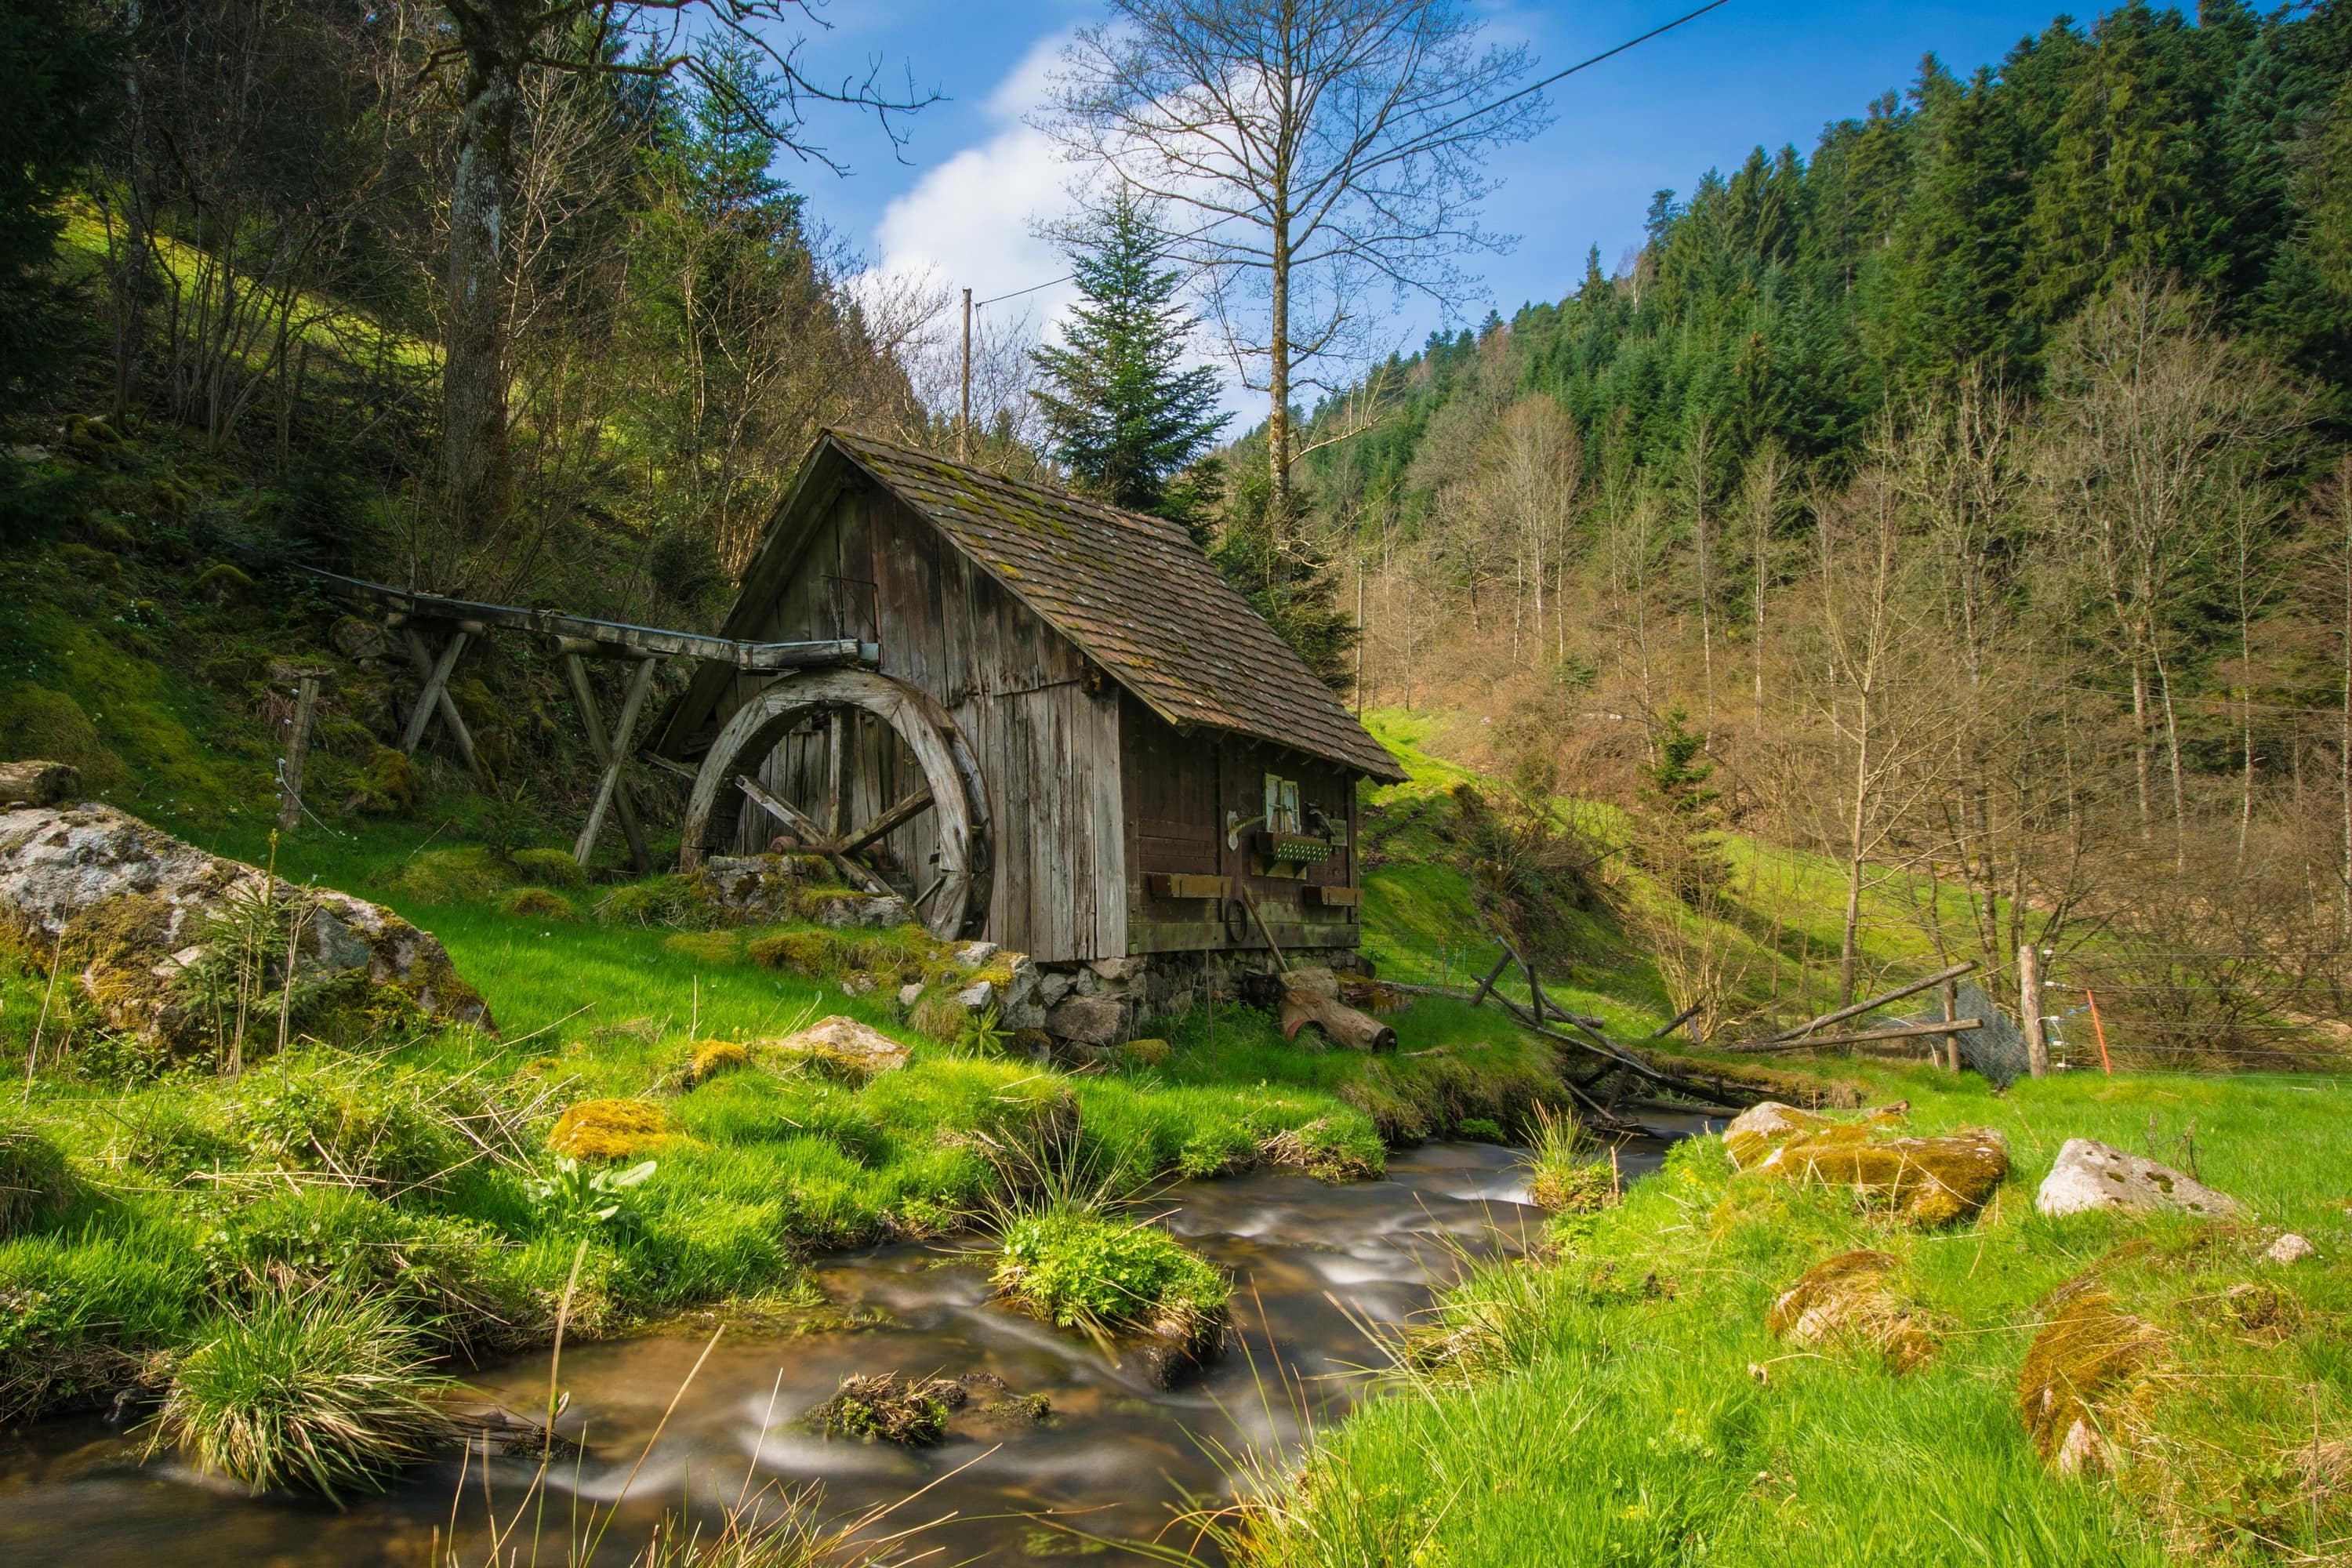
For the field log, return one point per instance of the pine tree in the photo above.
(56, 57)
(1120, 413)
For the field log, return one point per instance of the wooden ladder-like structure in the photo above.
(434, 631)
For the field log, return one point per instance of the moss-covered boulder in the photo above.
(1928, 1181)
(151, 927)
(610, 1129)
(2085, 1385)
(1853, 1297)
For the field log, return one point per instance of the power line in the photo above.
(1508, 98)
(1065, 277)
(1582, 65)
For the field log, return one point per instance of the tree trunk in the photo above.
(476, 467)
(1277, 385)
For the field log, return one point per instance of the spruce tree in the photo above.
(1121, 412)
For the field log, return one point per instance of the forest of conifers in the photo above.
(1971, 484)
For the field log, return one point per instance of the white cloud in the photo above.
(969, 223)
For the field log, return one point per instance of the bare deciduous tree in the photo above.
(1301, 152)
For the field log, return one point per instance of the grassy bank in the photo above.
(165, 1202)
(1622, 1401)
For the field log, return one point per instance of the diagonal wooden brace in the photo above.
(611, 752)
(433, 695)
(804, 824)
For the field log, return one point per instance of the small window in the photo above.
(1281, 805)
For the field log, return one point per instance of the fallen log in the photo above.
(1310, 994)
(38, 783)
(1718, 1093)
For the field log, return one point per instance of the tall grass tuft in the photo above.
(324, 1392)
(1570, 1172)
(34, 1176)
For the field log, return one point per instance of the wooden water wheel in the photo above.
(849, 763)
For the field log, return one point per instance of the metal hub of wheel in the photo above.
(950, 893)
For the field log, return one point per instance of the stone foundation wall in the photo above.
(1106, 1000)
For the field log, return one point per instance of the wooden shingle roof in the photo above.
(1134, 593)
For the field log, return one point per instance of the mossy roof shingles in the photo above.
(1136, 595)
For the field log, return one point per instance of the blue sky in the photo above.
(960, 199)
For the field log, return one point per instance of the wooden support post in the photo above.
(433, 695)
(2029, 1008)
(1492, 976)
(298, 744)
(1951, 999)
(610, 753)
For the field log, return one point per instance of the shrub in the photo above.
(539, 904)
(35, 1180)
(555, 868)
(1083, 1270)
(609, 1128)
(321, 1392)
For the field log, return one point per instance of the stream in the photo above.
(1313, 1266)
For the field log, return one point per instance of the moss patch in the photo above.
(2082, 1385)
(1086, 1271)
(610, 1129)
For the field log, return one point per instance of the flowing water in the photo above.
(1314, 1267)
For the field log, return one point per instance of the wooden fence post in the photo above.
(2029, 1008)
(298, 743)
(1951, 1011)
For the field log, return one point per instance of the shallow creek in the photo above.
(1313, 1266)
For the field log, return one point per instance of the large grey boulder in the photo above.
(138, 913)
(2094, 1175)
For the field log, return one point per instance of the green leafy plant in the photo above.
(578, 1195)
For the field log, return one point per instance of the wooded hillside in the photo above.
(1969, 487)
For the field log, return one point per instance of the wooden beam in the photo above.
(742, 654)
(804, 824)
(897, 816)
(1856, 1010)
(612, 753)
(435, 695)
(1953, 1027)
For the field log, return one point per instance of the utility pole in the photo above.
(2029, 1006)
(964, 422)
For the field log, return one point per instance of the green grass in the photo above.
(1103, 1274)
(421, 1158)
(1622, 1403)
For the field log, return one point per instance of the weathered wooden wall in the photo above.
(1177, 787)
(1046, 740)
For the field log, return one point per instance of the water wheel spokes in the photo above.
(954, 897)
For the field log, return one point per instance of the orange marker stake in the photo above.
(2098, 1031)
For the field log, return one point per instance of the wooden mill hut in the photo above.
(1068, 734)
